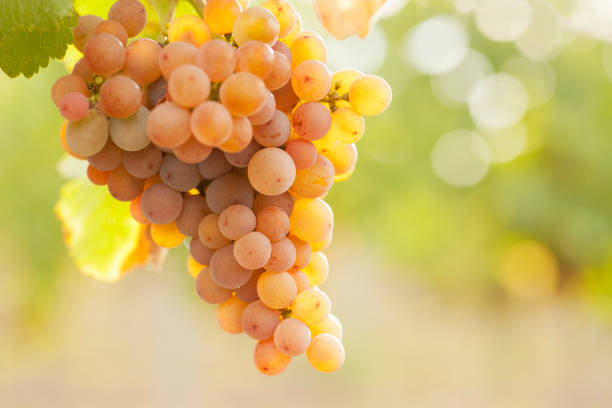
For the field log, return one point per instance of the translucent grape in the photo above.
(225, 271)
(208, 290)
(88, 136)
(303, 153)
(311, 220)
(243, 157)
(268, 359)
(370, 95)
(344, 159)
(301, 280)
(141, 61)
(256, 23)
(156, 92)
(130, 134)
(97, 177)
(175, 55)
(286, 99)
(107, 159)
(317, 269)
(255, 57)
(326, 353)
(281, 72)
(168, 125)
(248, 291)
(68, 84)
(84, 30)
(315, 181)
(275, 132)
(285, 14)
(295, 32)
(311, 80)
(131, 14)
(312, 121)
(228, 190)
(105, 54)
(143, 163)
(311, 306)
(271, 171)
(178, 175)
(283, 201)
(217, 58)
(209, 232)
(273, 222)
(112, 28)
(292, 337)
(120, 97)
(229, 314)
(330, 325)
(193, 267)
(253, 250)
(136, 211)
(160, 204)
(259, 321)
(211, 123)
(220, 15)
(194, 210)
(123, 186)
(347, 126)
(64, 142)
(307, 47)
(241, 136)
(214, 166)
(323, 244)
(189, 28)
(192, 151)
(82, 70)
(74, 106)
(189, 86)
(342, 80)
(236, 221)
(200, 252)
(266, 113)
(243, 93)
(283, 49)
(303, 253)
(276, 290)
(282, 256)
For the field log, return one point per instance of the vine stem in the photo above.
(198, 5)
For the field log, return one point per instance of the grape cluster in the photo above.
(230, 136)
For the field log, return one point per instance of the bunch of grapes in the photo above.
(229, 133)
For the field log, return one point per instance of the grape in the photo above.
(131, 14)
(266, 113)
(283, 49)
(174, 55)
(312, 120)
(161, 204)
(152, 180)
(323, 244)
(193, 267)
(282, 257)
(136, 211)
(243, 93)
(311, 220)
(301, 280)
(220, 15)
(285, 14)
(194, 210)
(268, 359)
(303, 253)
(123, 186)
(130, 134)
(307, 47)
(311, 306)
(74, 106)
(303, 153)
(168, 125)
(104, 54)
(189, 28)
(274, 133)
(143, 163)
(256, 23)
(107, 159)
(214, 166)
(255, 57)
(236, 221)
(241, 137)
(273, 222)
(252, 250)
(330, 325)
(281, 72)
(84, 30)
(295, 33)
(208, 290)
(189, 86)
(225, 271)
(228, 190)
(259, 321)
(271, 171)
(229, 313)
(88, 136)
(327, 143)
(325, 353)
(311, 80)
(283, 201)
(342, 80)
(344, 159)
(209, 232)
(178, 175)
(276, 290)
(243, 157)
(286, 99)
(97, 177)
(82, 70)
(200, 252)
(217, 58)
(192, 151)
(292, 337)
(112, 28)
(370, 95)
(68, 84)
(141, 61)
(120, 97)
(347, 126)
(64, 142)
(248, 291)
(156, 92)
(317, 269)
(314, 181)
(211, 123)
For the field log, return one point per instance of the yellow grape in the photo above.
(347, 125)
(311, 306)
(268, 359)
(316, 180)
(312, 220)
(326, 353)
(243, 93)
(229, 315)
(344, 158)
(256, 23)
(295, 32)
(311, 80)
(284, 12)
(301, 281)
(330, 325)
(211, 123)
(342, 80)
(189, 28)
(303, 253)
(167, 235)
(220, 15)
(194, 267)
(370, 95)
(255, 57)
(241, 136)
(327, 143)
(281, 72)
(317, 269)
(322, 245)
(307, 47)
(276, 290)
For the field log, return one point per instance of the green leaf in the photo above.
(32, 32)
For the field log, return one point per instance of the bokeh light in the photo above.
(503, 20)
(538, 78)
(458, 84)
(506, 144)
(498, 101)
(544, 35)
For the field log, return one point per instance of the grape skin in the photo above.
(315, 181)
(166, 235)
(217, 58)
(292, 337)
(160, 204)
(268, 359)
(273, 222)
(241, 136)
(168, 125)
(282, 257)
(189, 28)
(311, 220)
(311, 80)
(370, 95)
(229, 315)
(317, 269)
(107, 159)
(88, 136)
(211, 123)
(214, 166)
(266, 113)
(130, 133)
(123, 186)
(256, 23)
(285, 14)
(281, 72)
(200, 252)
(303, 253)
(120, 97)
(225, 271)
(243, 93)
(220, 15)
(74, 106)
(194, 210)
(141, 61)
(66, 85)
(174, 55)
(248, 291)
(192, 151)
(143, 163)
(208, 290)
(271, 171)
(283, 201)
(259, 321)
(236, 221)
(326, 353)
(104, 54)
(255, 57)
(243, 157)
(301, 280)
(303, 153)
(312, 121)
(209, 233)
(97, 177)
(178, 175)
(276, 290)
(228, 190)
(311, 306)
(84, 30)
(112, 28)
(189, 86)
(275, 132)
(253, 250)
(131, 14)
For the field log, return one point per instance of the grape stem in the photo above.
(198, 5)
(334, 97)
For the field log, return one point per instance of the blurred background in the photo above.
(472, 258)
